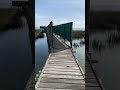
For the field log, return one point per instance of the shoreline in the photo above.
(75, 34)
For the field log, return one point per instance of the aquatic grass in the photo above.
(82, 42)
(14, 22)
(113, 38)
(75, 45)
(98, 45)
(78, 34)
(39, 34)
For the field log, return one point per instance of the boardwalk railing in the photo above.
(63, 30)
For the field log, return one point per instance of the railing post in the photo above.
(71, 35)
(51, 23)
(49, 33)
(64, 33)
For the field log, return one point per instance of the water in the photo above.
(80, 52)
(41, 52)
(107, 53)
(15, 58)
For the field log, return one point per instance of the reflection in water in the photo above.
(75, 45)
(112, 38)
(15, 58)
(105, 48)
(98, 45)
(82, 42)
(79, 43)
(79, 48)
(41, 53)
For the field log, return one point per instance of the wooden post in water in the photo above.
(49, 33)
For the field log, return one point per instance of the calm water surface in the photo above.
(41, 53)
(15, 58)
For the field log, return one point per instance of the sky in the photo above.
(113, 5)
(60, 11)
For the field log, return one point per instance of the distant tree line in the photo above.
(104, 19)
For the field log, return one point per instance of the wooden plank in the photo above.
(92, 84)
(70, 64)
(51, 62)
(93, 80)
(58, 80)
(69, 56)
(58, 60)
(56, 89)
(62, 67)
(92, 88)
(59, 56)
(62, 58)
(63, 70)
(62, 54)
(62, 73)
(62, 76)
(66, 63)
(61, 86)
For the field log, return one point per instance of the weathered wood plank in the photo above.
(62, 76)
(91, 82)
(57, 89)
(62, 67)
(63, 70)
(62, 58)
(92, 88)
(62, 73)
(62, 63)
(61, 86)
(58, 80)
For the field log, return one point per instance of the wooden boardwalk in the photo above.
(61, 71)
(91, 80)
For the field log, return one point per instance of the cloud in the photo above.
(45, 20)
(60, 11)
